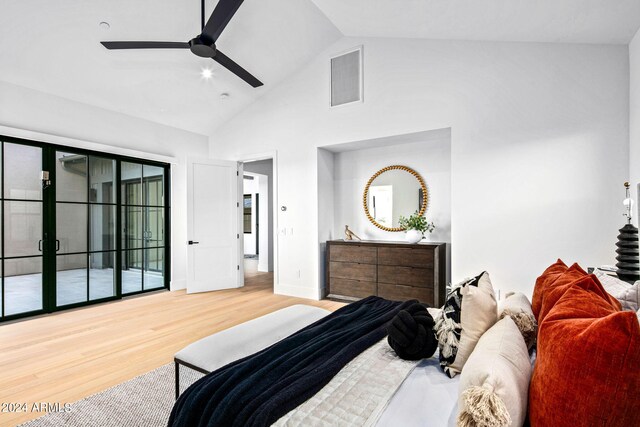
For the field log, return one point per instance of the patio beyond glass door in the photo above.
(85, 228)
(22, 235)
(95, 230)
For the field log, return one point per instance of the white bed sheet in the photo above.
(428, 397)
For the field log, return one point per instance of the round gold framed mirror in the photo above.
(392, 192)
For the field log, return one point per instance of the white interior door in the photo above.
(213, 226)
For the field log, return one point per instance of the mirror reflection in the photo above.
(393, 192)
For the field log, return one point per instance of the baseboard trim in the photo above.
(296, 291)
(177, 285)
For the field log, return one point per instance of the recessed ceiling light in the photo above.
(224, 96)
(207, 73)
(105, 25)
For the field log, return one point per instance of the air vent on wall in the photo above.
(346, 78)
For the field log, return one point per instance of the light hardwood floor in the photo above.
(64, 357)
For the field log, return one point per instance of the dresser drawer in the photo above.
(355, 253)
(408, 257)
(411, 276)
(352, 288)
(352, 270)
(403, 293)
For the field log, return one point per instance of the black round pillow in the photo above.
(411, 333)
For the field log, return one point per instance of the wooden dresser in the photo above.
(392, 270)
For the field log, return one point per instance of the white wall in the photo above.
(539, 147)
(265, 167)
(325, 211)
(634, 121)
(430, 158)
(33, 111)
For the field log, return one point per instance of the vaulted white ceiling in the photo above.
(562, 21)
(53, 46)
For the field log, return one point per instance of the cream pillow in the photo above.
(494, 383)
(517, 306)
(469, 311)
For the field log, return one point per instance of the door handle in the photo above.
(191, 242)
(57, 245)
(40, 245)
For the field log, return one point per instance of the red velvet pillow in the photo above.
(589, 283)
(587, 370)
(550, 275)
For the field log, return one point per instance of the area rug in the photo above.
(144, 401)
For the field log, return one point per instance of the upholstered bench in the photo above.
(217, 350)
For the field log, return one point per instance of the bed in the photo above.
(303, 366)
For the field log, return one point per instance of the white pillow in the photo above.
(470, 310)
(630, 299)
(494, 383)
(517, 306)
(627, 294)
(611, 284)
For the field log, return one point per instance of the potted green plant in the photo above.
(416, 225)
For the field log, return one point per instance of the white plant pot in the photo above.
(413, 236)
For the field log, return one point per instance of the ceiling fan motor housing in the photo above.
(203, 46)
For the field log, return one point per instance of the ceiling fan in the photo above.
(203, 45)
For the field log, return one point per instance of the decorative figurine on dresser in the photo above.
(393, 270)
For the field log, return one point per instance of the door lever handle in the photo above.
(191, 242)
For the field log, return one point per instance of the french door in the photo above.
(93, 230)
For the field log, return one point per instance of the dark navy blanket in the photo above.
(261, 388)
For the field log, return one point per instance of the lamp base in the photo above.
(628, 254)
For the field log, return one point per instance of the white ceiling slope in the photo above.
(53, 46)
(562, 21)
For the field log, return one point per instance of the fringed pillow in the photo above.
(517, 306)
(495, 381)
(470, 309)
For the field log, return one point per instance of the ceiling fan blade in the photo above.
(228, 63)
(222, 14)
(145, 45)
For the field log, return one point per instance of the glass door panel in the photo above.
(154, 268)
(71, 279)
(22, 285)
(101, 275)
(72, 228)
(154, 227)
(131, 271)
(102, 180)
(131, 179)
(22, 166)
(22, 228)
(71, 178)
(22, 219)
(97, 231)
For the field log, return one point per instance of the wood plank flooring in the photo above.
(64, 357)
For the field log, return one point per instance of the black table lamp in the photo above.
(628, 253)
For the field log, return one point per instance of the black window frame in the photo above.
(49, 203)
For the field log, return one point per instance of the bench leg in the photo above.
(177, 365)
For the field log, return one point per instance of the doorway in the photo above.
(78, 227)
(258, 224)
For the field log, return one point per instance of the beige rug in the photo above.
(144, 401)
